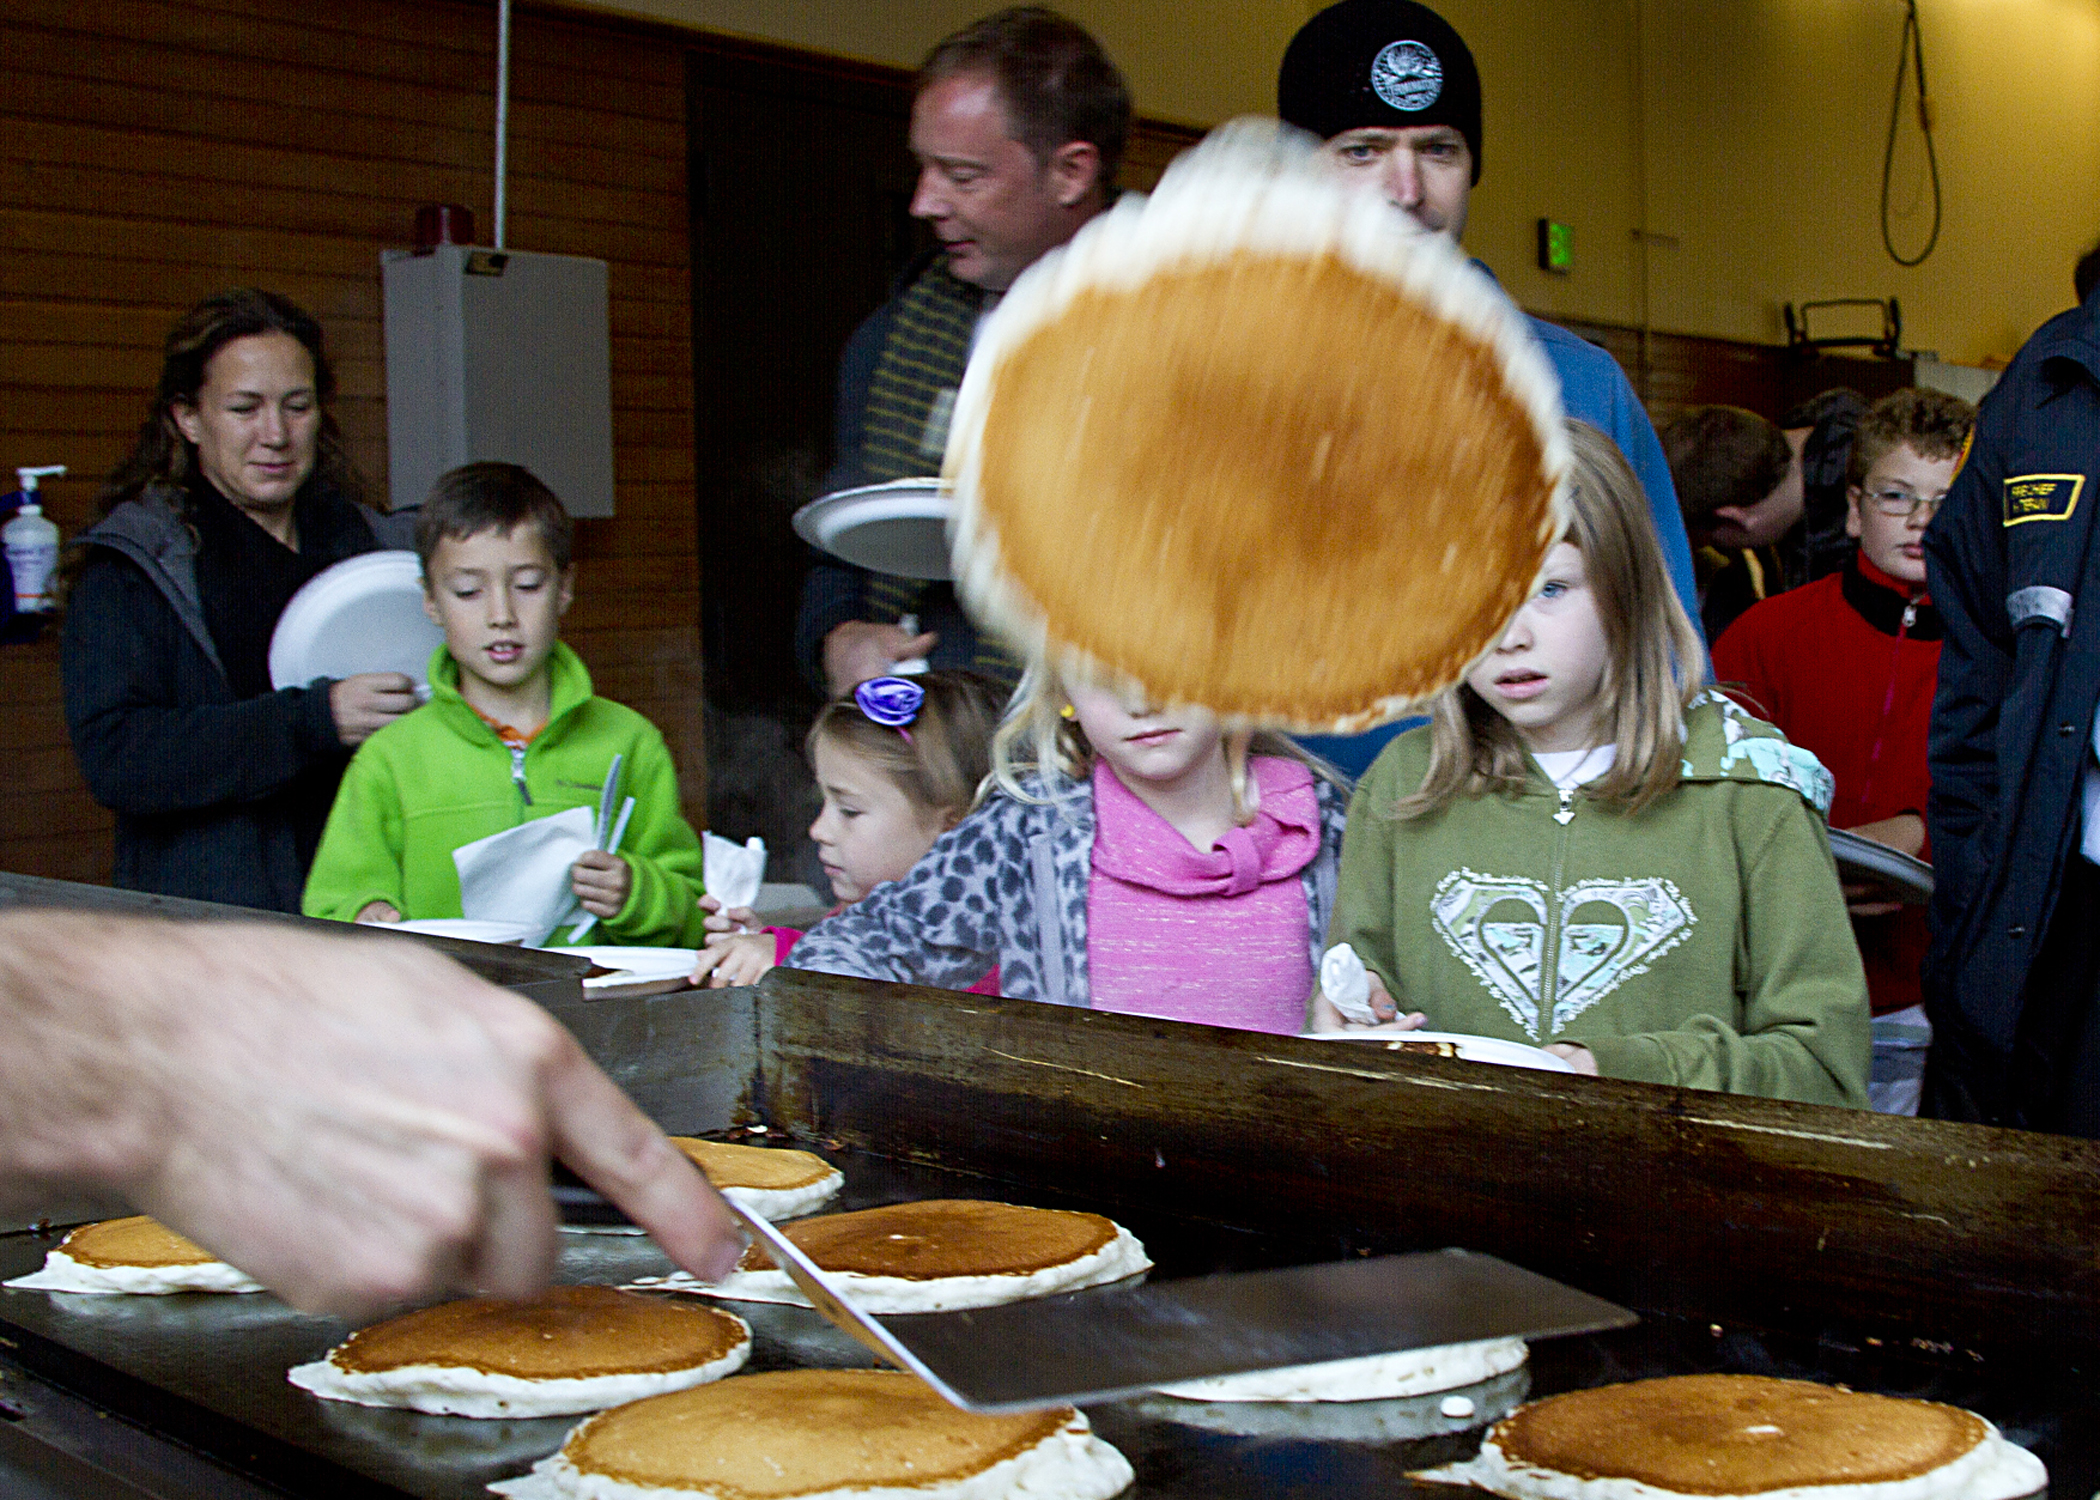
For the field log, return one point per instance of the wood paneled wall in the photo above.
(1675, 371)
(153, 152)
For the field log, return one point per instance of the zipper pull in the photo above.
(517, 772)
(1566, 815)
(1910, 614)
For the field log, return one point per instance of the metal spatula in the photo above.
(1121, 1340)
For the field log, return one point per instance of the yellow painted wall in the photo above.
(1766, 125)
(1757, 140)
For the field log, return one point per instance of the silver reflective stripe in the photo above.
(933, 438)
(2025, 606)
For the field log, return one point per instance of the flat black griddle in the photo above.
(1909, 1257)
(210, 1371)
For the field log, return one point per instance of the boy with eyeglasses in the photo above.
(1846, 667)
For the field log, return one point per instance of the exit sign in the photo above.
(1556, 247)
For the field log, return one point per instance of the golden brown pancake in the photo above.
(136, 1241)
(797, 1432)
(1737, 1434)
(754, 1166)
(566, 1333)
(1256, 444)
(943, 1237)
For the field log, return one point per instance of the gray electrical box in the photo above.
(498, 354)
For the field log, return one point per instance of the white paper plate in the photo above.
(899, 528)
(650, 966)
(504, 934)
(1902, 877)
(365, 614)
(1480, 1049)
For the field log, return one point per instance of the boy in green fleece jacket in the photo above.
(1583, 853)
(512, 732)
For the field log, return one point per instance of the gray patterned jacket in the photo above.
(1007, 886)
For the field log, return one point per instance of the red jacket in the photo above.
(1846, 666)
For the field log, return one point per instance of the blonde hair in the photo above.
(942, 764)
(1038, 737)
(1652, 671)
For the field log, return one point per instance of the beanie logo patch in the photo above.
(1407, 75)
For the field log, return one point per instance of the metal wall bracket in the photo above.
(1799, 339)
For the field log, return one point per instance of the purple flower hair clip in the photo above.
(892, 702)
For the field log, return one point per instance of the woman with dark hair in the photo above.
(236, 492)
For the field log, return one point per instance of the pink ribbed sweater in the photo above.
(1217, 936)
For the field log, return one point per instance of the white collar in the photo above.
(1568, 769)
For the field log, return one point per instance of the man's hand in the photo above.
(353, 1121)
(367, 702)
(858, 650)
(601, 882)
(1578, 1057)
(735, 958)
(1904, 833)
(377, 911)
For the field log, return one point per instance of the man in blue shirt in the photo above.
(1393, 91)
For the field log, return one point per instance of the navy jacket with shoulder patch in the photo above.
(2011, 563)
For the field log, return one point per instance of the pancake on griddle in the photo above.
(1257, 443)
(1397, 1419)
(571, 1349)
(138, 1256)
(943, 1254)
(823, 1432)
(1373, 1377)
(770, 1182)
(1720, 1436)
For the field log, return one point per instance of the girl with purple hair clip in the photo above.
(1126, 855)
(899, 761)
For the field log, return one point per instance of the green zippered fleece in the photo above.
(1703, 942)
(439, 777)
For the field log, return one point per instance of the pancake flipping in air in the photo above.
(1257, 444)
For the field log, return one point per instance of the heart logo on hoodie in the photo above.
(1610, 930)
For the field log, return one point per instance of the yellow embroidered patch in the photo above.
(2041, 497)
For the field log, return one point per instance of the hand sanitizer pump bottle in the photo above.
(32, 545)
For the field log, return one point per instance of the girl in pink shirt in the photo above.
(1127, 857)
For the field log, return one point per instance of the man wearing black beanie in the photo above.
(1393, 92)
(1367, 64)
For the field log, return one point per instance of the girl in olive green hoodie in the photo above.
(1586, 851)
